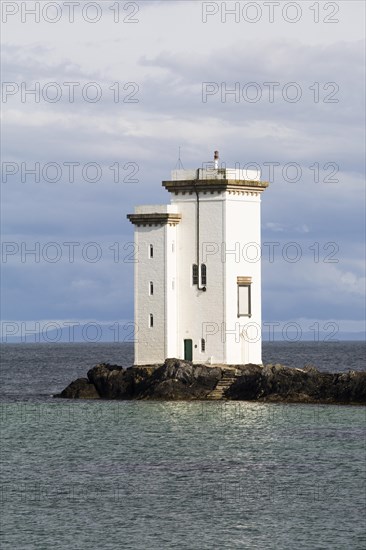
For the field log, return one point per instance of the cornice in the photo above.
(155, 218)
(236, 187)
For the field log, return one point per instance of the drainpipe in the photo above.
(203, 288)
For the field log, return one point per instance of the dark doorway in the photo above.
(188, 350)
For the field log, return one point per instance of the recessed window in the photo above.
(194, 274)
(151, 251)
(203, 275)
(151, 288)
(151, 320)
(173, 247)
(244, 300)
(203, 344)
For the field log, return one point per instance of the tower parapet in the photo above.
(215, 180)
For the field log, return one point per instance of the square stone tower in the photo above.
(198, 274)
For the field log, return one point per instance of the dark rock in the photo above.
(79, 389)
(280, 383)
(181, 380)
(109, 380)
(249, 385)
(177, 379)
(115, 382)
(349, 387)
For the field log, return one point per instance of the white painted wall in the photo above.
(150, 345)
(171, 311)
(229, 244)
(242, 234)
(198, 311)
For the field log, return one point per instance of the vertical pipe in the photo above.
(198, 235)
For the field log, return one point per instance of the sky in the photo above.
(97, 98)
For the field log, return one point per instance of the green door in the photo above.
(188, 350)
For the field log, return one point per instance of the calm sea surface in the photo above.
(144, 475)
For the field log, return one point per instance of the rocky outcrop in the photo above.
(80, 389)
(181, 380)
(115, 382)
(308, 385)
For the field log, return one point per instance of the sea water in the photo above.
(180, 475)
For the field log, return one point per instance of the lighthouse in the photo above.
(197, 281)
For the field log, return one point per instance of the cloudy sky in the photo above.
(118, 87)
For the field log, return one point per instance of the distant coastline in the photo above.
(62, 332)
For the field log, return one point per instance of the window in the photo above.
(244, 296)
(203, 345)
(243, 300)
(151, 251)
(151, 320)
(194, 274)
(203, 275)
(151, 288)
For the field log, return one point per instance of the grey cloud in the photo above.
(171, 113)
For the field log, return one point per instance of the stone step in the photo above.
(222, 385)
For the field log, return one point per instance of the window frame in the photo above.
(244, 282)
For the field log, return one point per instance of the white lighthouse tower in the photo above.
(198, 274)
